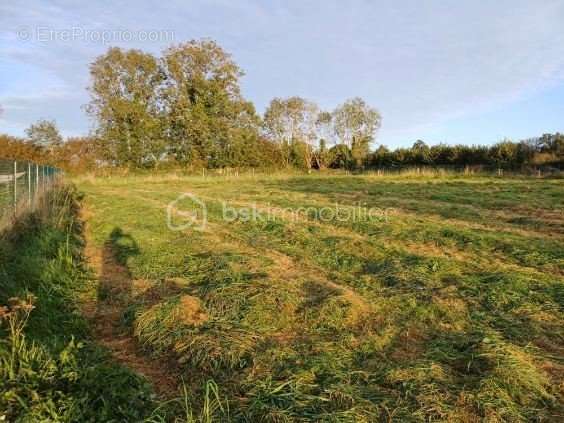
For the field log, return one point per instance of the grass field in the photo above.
(50, 368)
(447, 306)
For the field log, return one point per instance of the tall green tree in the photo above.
(355, 125)
(206, 116)
(421, 152)
(125, 103)
(292, 124)
(326, 136)
(45, 134)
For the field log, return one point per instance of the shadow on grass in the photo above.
(115, 277)
(57, 372)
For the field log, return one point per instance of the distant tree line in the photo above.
(547, 150)
(87, 153)
(45, 145)
(186, 109)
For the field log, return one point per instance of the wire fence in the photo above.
(22, 184)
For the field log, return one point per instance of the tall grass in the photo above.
(181, 410)
(447, 311)
(50, 369)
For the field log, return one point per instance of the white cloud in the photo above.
(420, 63)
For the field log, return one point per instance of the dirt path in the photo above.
(104, 310)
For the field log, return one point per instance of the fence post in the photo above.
(36, 184)
(29, 182)
(15, 187)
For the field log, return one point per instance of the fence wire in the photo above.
(21, 185)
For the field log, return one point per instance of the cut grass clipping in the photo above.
(449, 309)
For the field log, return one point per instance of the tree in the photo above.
(381, 157)
(551, 143)
(355, 125)
(421, 152)
(18, 149)
(205, 112)
(45, 134)
(326, 137)
(340, 157)
(504, 153)
(325, 128)
(125, 103)
(293, 121)
(77, 154)
(278, 124)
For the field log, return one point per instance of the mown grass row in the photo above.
(309, 320)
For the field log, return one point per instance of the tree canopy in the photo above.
(44, 134)
(185, 108)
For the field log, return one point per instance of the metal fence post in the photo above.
(15, 187)
(29, 183)
(36, 181)
(18, 176)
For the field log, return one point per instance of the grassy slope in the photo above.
(49, 368)
(452, 309)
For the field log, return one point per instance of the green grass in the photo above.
(50, 368)
(450, 309)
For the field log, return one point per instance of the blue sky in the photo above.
(442, 71)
